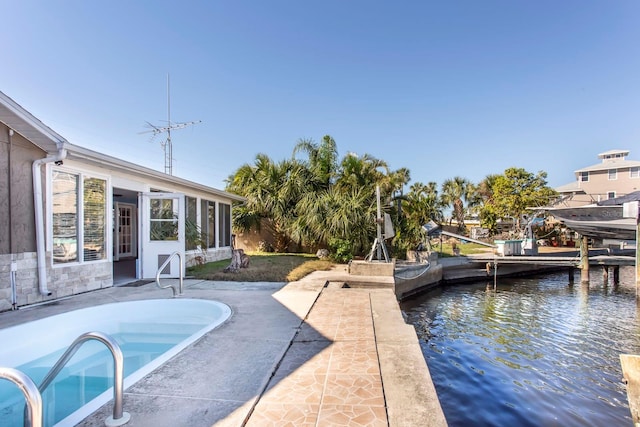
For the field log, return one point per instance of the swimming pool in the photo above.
(149, 333)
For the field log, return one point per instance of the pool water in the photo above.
(149, 332)
(87, 375)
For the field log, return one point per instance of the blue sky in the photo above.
(446, 88)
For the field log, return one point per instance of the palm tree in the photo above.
(272, 191)
(454, 192)
(334, 213)
(361, 171)
(422, 204)
(322, 160)
(315, 199)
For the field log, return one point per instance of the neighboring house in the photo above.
(74, 220)
(614, 176)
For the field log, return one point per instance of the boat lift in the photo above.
(433, 229)
(467, 239)
(379, 249)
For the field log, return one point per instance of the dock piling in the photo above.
(584, 260)
(495, 275)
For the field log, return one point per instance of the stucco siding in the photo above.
(599, 184)
(17, 229)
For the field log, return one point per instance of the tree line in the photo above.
(314, 199)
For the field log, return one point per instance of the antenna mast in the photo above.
(167, 146)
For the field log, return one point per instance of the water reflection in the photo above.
(533, 352)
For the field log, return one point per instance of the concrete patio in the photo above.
(307, 353)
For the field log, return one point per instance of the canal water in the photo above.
(534, 352)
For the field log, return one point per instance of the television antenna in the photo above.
(157, 130)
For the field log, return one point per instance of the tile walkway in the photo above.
(330, 375)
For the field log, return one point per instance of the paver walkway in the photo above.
(330, 375)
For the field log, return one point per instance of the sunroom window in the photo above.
(78, 215)
(208, 222)
(95, 207)
(191, 224)
(225, 225)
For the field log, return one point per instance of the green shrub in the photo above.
(341, 250)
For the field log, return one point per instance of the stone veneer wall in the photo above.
(217, 254)
(66, 280)
(62, 281)
(210, 256)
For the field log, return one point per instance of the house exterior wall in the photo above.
(133, 182)
(17, 233)
(62, 279)
(62, 282)
(130, 181)
(17, 220)
(599, 184)
(89, 266)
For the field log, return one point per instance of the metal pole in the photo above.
(378, 225)
(168, 166)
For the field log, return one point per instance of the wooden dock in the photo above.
(575, 261)
(571, 262)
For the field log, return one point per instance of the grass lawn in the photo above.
(465, 248)
(263, 267)
(272, 267)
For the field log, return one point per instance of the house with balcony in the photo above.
(74, 220)
(614, 176)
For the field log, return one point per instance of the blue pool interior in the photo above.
(89, 373)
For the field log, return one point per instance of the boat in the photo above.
(615, 218)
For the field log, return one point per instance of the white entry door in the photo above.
(125, 231)
(162, 233)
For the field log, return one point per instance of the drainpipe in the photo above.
(12, 274)
(39, 213)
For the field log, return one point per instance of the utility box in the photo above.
(508, 247)
(630, 210)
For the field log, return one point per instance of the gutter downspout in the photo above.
(39, 213)
(14, 268)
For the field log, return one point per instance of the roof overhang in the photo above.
(572, 187)
(23, 122)
(75, 152)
